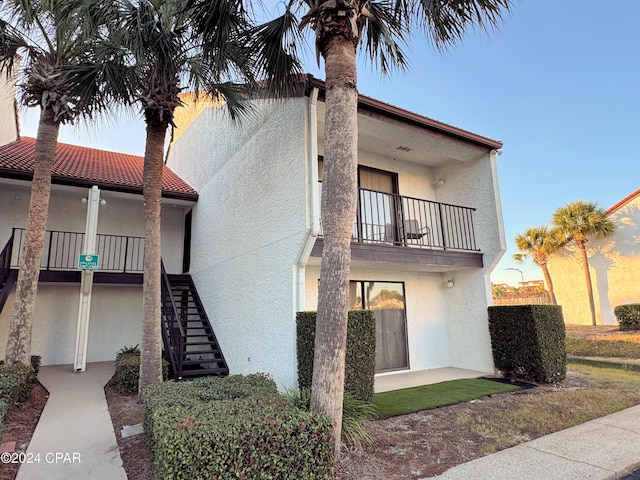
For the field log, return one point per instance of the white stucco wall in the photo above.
(116, 311)
(115, 322)
(615, 271)
(248, 227)
(8, 129)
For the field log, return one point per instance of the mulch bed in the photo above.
(19, 426)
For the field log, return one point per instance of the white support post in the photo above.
(86, 285)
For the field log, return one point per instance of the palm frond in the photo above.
(384, 33)
(273, 47)
(446, 21)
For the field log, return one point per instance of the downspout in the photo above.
(312, 207)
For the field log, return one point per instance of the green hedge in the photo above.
(234, 427)
(628, 316)
(16, 382)
(127, 374)
(360, 356)
(528, 341)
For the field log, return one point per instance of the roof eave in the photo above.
(379, 107)
(113, 187)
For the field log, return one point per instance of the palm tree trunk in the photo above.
(339, 196)
(587, 275)
(547, 279)
(20, 327)
(151, 349)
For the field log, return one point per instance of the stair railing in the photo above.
(173, 333)
(5, 259)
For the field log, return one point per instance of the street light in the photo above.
(517, 270)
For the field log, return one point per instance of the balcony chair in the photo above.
(414, 231)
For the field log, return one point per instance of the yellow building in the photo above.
(614, 264)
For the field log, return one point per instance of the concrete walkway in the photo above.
(607, 448)
(74, 439)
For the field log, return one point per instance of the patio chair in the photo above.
(414, 231)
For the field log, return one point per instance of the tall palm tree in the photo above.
(340, 28)
(40, 41)
(578, 221)
(538, 243)
(165, 46)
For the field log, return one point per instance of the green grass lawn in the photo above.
(408, 400)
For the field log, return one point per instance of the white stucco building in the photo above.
(614, 264)
(428, 233)
(116, 303)
(241, 215)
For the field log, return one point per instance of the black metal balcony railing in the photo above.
(118, 253)
(390, 219)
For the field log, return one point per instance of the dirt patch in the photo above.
(20, 425)
(136, 455)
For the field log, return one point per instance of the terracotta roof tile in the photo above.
(75, 165)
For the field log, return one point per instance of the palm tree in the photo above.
(340, 28)
(538, 243)
(164, 41)
(42, 40)
(578, 221)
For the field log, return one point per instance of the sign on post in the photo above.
(88, 262)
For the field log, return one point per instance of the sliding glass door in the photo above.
(386, 301)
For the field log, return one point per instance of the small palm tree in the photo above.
(538, 243)
(577, 221)
(42, 41)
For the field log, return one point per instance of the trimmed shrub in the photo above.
(528, 341)
(16, 382)
(628, 316)
(234, 427)
(360, 362)
(127, 374)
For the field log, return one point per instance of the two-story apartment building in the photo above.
(427, 234)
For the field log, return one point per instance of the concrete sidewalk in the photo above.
(607, 448)
(74, 438)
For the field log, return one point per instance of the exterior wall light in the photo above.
(450, 284)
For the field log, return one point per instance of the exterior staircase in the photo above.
(7, 275)
(189, 341)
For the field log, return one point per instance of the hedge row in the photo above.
(360, 361)
(628, 316)
(16, 383)
(234, 427)
(528, 341)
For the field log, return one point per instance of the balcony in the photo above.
(400, 229)
(119, 254)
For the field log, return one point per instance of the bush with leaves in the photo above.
(16, 382)
(234, 427)
(127, 373)
(628, 316)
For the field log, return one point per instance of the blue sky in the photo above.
(558, 84)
